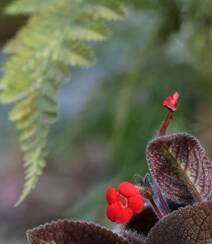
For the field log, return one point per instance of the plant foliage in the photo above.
(66, 232)
(176, 161)
(191, 224)
(180, 167)
(54, 38)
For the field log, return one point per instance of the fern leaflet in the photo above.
(54, 38)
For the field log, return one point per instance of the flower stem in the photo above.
(149, 195)
(163, 203)
(156, 209)
(166, 122)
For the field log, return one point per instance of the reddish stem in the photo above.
(166, 122)
(149, 195)
(163, 203)
(155, 208)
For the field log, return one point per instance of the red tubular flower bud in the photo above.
(171, 102)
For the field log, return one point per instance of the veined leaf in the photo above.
(189, 225)
(180, 167)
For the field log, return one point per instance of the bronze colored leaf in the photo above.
(189, 225)
(180, 167)
(73, 232)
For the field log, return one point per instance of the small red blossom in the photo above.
(171, 102)
(122, 204)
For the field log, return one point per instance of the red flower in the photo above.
(171, 102)
(122, 204)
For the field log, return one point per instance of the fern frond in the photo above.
(54, 38)
(26, 6)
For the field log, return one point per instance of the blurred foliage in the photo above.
(160, 47)
(53, 39)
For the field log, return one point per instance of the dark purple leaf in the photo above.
(189, 225)
(181, 168)
(67, 232)
(143, 222)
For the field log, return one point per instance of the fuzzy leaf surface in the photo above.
(189, 225)
(66, 232)
(180, 167)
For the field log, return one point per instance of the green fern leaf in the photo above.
(26, 6)
(54, 39)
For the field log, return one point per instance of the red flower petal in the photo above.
(127, 189)
(171, 102)
(113, 210)
(124, 216)
(111, 195)
(118, 214)
(136, 203)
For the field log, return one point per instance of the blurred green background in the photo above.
(108, 113)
